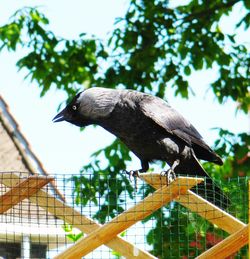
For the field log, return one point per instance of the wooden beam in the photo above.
(66, 213)
(128, 218)
(23, 190)
(199, 205)
(228, 246)
(211, 212)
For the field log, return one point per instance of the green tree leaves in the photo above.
(152, 48)
(51, 61)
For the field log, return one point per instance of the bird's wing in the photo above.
(169, 119)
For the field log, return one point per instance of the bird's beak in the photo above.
(59, 117)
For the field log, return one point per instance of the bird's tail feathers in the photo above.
(208, 189)
(204, 152)
(217, 159)
(212, 193)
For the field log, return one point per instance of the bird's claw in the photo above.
(135, 174)
(170, 175)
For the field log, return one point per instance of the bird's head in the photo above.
(88, 107)
(72, 113)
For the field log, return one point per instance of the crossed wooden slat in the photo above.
(73, 217)
(128, 218)
(239, 231)
(22, 190)
(200, 206)
(228, 246)
(184, 196)
(107, 234)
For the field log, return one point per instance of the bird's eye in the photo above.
(74, 107)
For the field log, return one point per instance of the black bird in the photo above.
(150, 128)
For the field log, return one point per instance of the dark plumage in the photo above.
(149, 127)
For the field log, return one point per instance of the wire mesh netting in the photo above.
(40, 223)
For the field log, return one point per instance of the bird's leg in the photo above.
(170, 174)
(132, 173)
(136, 173)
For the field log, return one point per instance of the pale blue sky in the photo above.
(62, 147)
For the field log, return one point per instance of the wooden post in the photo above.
(199, 205)
(228, 246)
(123, 221)
(22, 190)
(66, 213)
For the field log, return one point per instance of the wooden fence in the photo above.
(108, 234)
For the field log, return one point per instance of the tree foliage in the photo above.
(152, 48)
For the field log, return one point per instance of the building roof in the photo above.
(25, 218)
(15, 151)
